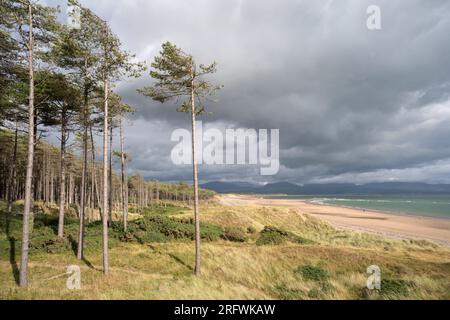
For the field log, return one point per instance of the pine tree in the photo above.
(33, 25)
(178, 77)
(63, 104)
(77, 51)
(115, 64)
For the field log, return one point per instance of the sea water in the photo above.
(423, 205)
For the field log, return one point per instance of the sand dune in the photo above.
(387, 224)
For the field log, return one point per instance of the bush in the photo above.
(168, 209)
(321, 291)
(154, 226)
(313, 273)
(391, 288)
(234, 234)
(274, 236)
(43, 239)
(286, 293)
(210, 232)
(53, 245)
(161, 228)
(396, 287)
(152, 236)
(314, 293)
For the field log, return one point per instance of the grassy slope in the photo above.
(333, 267)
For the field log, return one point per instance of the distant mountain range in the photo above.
(329, 189)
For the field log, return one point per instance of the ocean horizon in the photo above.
(419, 205)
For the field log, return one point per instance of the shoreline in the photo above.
(399, 213)
(385, 223)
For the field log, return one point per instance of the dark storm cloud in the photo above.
(351, 104)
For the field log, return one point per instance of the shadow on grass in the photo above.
(73, 244)
(12, 250)
(180, 261)
(74, 247)
(89, 264)
(174, 257)
(12, 259)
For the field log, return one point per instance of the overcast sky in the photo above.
(352, 104)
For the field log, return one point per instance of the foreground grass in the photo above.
(326, 264)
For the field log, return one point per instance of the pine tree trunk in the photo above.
(105, 181)
(29, 172)
(124, 181)
(13, 173)
(46, 177)
(83, 178)
(62, 190)
(94, 175)
(110, 186)
(40, 183)
(32, 199)
(195, 176)
(52, 184)
(92, 190)
(71, 187)
(98, 198)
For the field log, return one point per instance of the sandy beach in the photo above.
(386, 224)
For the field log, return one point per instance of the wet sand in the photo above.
(383, 223)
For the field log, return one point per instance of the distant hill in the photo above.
(329, 189)
(280, 187)
(229, 187)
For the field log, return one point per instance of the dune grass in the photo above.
(328, 264)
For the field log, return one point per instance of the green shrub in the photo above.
(151, 236)
(155, 226)
(53, 245)
(313, 273)
(168, 209)
(44, 236)
(210, 232)
(275, 236)
(272, 236)
(314, 293)
(391, 288)
(234, 234)
(285, 293)
(43, 239)
(161, 228)
(396, 287)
